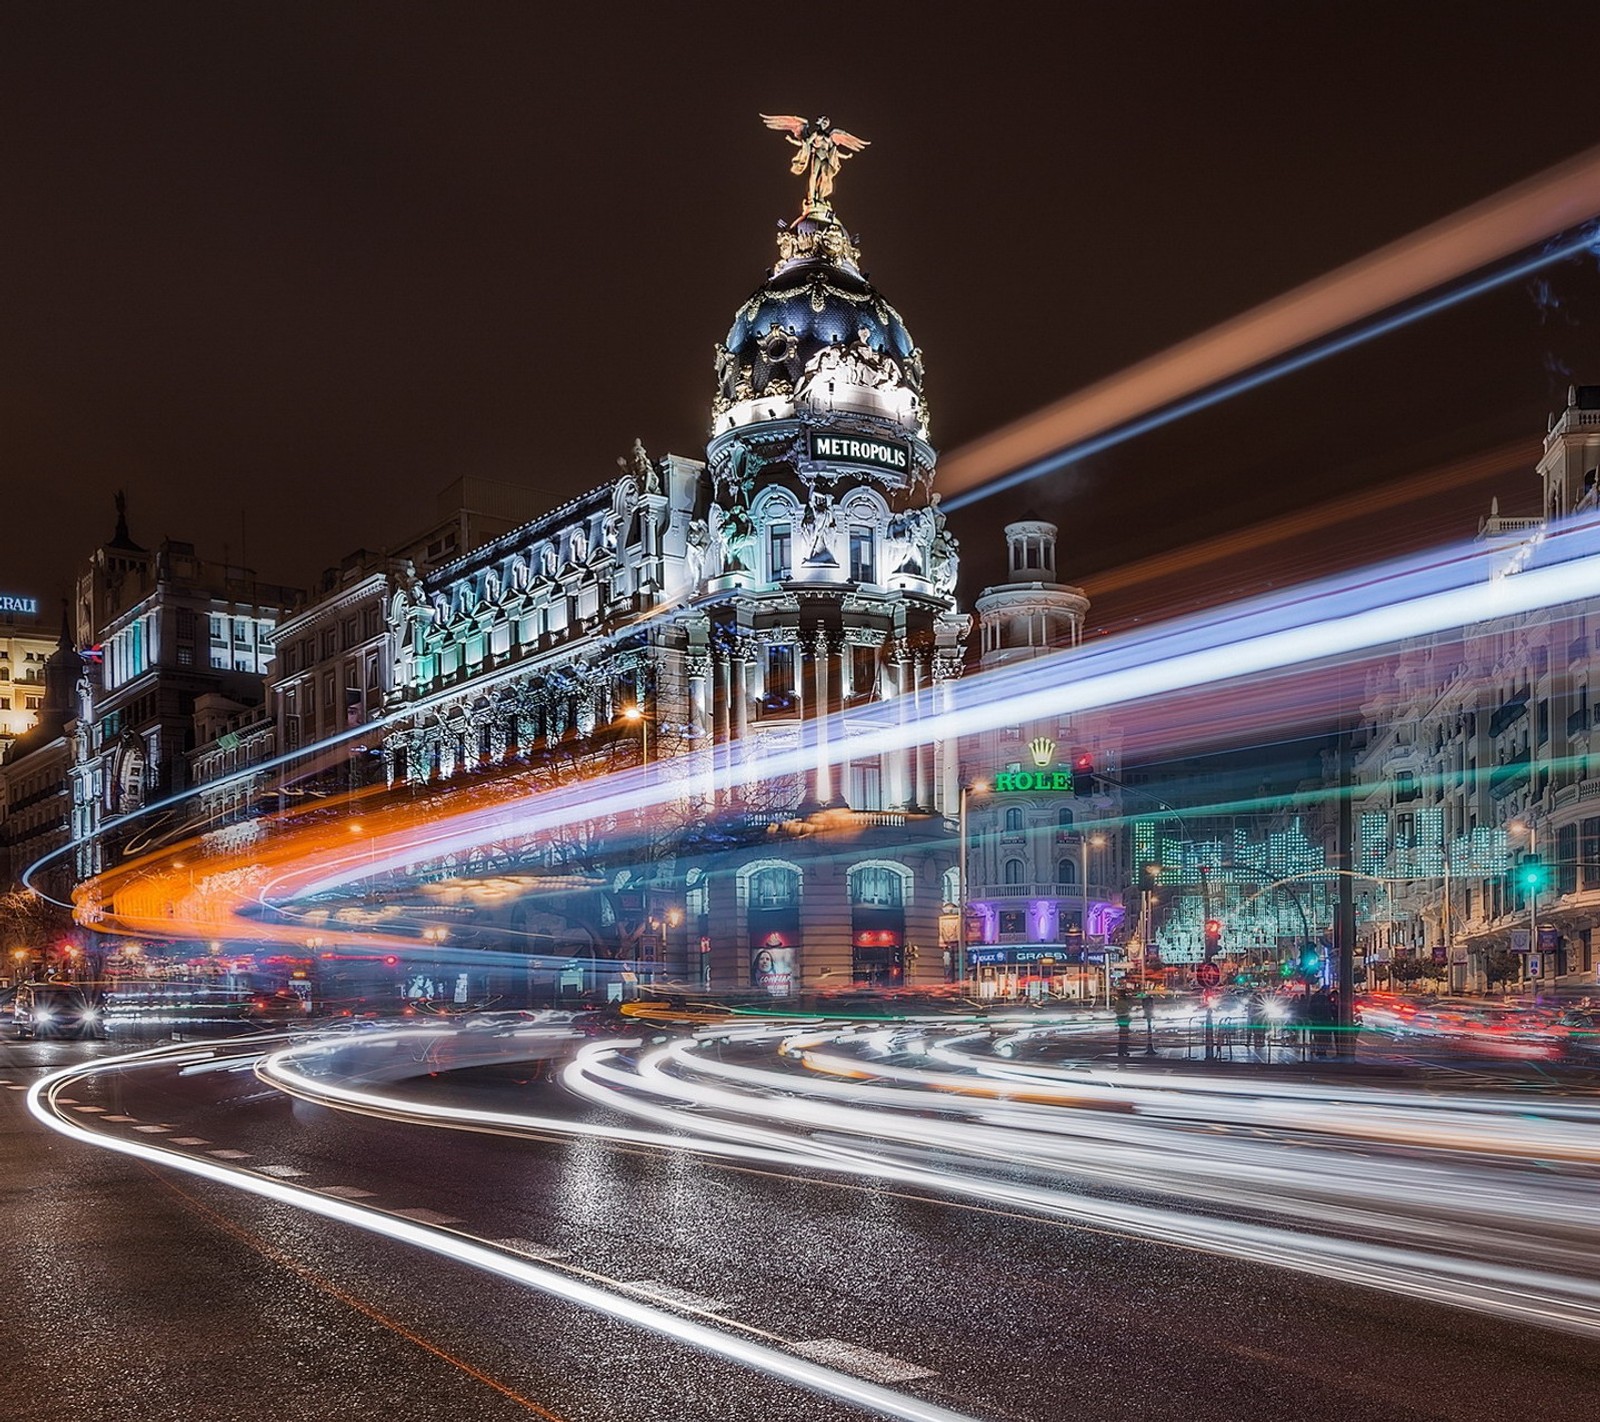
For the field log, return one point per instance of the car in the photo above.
(58, 1010)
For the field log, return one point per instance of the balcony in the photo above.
(1503, 779)
(1508, 713)
(1578, 723)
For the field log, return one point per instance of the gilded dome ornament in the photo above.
(820, 150)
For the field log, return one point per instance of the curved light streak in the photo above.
(462, 1249)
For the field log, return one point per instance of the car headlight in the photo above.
(43, 1014)
(90, 1015)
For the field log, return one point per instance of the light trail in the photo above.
(1523, 1244)
(43, 1102)
(1256, 347)
(1305, 631)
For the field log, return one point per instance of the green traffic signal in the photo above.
(1310, 961)
(1534, 874)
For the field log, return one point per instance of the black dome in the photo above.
(807, 305)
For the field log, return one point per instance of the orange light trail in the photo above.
(1557, 200)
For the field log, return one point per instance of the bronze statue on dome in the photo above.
(820, 150)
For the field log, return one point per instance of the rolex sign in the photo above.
(890, 454)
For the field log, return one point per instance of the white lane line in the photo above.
(283, 1172)
(863, 1362)
(190, 1140)
(121, 1119)
(15, 1086)
(153, 1130)
(347, 1192)
(230, 1154)
(678, 1298)
(92, 1109)
(528, 1249)
(427, 1217)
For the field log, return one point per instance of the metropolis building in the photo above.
(704, 615)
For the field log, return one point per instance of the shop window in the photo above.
(776, 887)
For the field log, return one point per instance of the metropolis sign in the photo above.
(15, 602)
(860, 449)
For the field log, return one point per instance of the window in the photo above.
(877, 886)
(218, 631)
(1013, 820)
(774, 888)
(1013, 871)
(778, 555)
(863, 670)
(1063, 819)
(861, 567)
(350, 632)
(185, 656)
(328, 639)
(1066, 873)
(371, 621)
(780, 671)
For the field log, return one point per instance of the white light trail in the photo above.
(449, 1244)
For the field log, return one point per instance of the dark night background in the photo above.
(296, 266)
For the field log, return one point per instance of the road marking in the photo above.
(190, 1140)
(14, 1086)
(89, 1108)
(676, 1297)
(283, 1172)
(230, 1154)
(348, 1192)
(530, 1250)
(120, 1119)
(863, 1362)
(427, 1217)
(153, 1129)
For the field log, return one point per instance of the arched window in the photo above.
(877, 886)
(775, 887)
(1063, 819)
(1066, 872)
(1013, 820)
(1013, 871)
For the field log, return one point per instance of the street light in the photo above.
(1098, 841)
(636, 713)
(1531, 877)
(976, 787)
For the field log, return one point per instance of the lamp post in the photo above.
(1531, 882)
(636, 713)
(977, 786)
(1084, 841)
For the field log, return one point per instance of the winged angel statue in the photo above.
(821, 148)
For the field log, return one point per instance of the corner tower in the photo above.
(829, 574)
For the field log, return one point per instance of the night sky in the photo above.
(284, 270)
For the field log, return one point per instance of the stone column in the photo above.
(822, 783)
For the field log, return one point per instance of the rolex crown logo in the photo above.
(1043, 750)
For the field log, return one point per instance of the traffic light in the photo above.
(1533, 874)
(1082, 773)
(1310, 960)
(1213, 938)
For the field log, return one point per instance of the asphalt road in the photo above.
(136, 1292)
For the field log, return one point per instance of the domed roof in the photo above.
(815, 299)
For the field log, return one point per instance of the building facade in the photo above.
(1477, 756)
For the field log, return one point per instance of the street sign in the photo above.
(1549, 938)
(1208, 975)
(1519, 941)
(1534, 966)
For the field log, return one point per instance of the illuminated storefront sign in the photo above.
(860, 449)
(1056, 781)
(15, 602)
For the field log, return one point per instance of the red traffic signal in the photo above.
(1083, 776)
(1213, 937)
